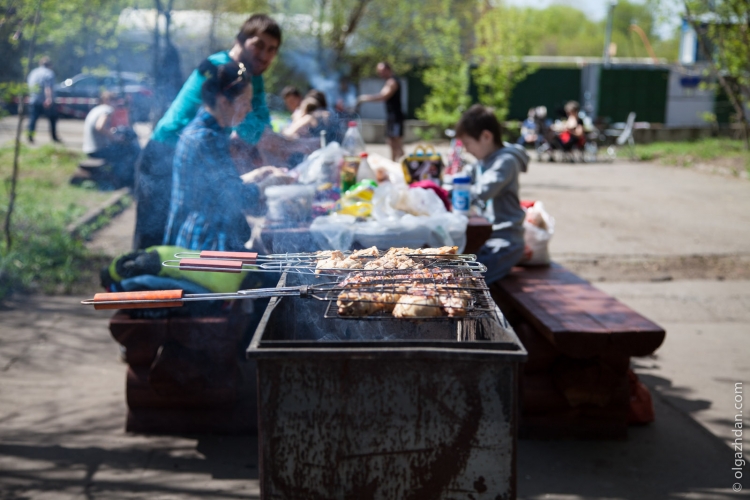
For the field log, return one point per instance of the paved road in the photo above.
(641, 209)
(69, 131)
(62, 391)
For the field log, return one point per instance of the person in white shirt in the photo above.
(106, 137)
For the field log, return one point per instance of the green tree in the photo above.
(501, 41)
(560, 30)
(447, 74)
(723, 28)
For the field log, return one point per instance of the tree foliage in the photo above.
(447, 74)
(501, 41)
(723, 28)
(75, 33)
(560, 30)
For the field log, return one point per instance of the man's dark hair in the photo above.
(45, 61)
(290, 90)
(477, 119)
(229, 80)
(259, 24)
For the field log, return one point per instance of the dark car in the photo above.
(78, 95)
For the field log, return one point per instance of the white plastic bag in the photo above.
(539, 226)
(385, 167)
(392, 201)
(320, 166)
(333, 232)
(413, 231)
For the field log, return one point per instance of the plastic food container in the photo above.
(461, 195)
(290, 203)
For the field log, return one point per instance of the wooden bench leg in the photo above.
(563, 397)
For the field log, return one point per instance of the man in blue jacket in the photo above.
(256, 46)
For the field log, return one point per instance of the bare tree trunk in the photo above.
(212, 43)
(355, 17)
(156, 61)
(19, 127)
(321, 17)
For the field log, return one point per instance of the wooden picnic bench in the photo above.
(580, 340)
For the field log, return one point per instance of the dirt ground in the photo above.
(658, 268)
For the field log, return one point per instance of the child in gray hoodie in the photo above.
(495, 188)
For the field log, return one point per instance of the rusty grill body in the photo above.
(384, 409)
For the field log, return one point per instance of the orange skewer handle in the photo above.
(245, 257)
(222, 266)
(160, 298)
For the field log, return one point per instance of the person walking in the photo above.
(42, 98)
(391, 95)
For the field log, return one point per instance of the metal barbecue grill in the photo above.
(406, 409)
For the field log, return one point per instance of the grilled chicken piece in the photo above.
(417, 306)
(454, 302)
(330, 254)
(438, 251)
(358, 303)
(392, 262)
(338, 263)
(422, 251)
(366, 252)
(349, 263)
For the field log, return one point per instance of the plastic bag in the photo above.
(539, 226)
(641, 410)
(342, 232)
(385, 169)
(333, 232)
(393, 201)
(447, 229)
(321, 166)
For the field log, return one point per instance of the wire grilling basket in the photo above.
(436, 293)
(326, 263)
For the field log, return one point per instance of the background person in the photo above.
(103, 138)
(572, 134)
(42, 98)
(306, 120)
(292, 100)
(497, 188)
(529, 130)
(391, 95)
(209, 200)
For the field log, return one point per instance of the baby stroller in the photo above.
(565, 147)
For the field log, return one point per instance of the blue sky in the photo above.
(597, 10)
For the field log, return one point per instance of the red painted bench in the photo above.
(580, 341)
(187, 374)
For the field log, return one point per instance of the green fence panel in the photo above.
(643, 90)
(550, 87)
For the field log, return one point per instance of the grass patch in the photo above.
(687, 154)
(44, 257)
